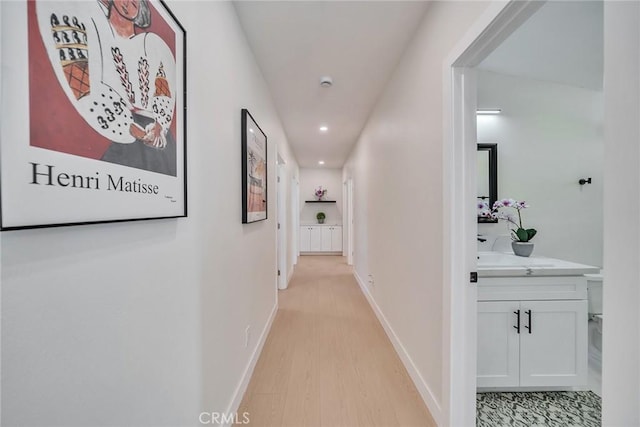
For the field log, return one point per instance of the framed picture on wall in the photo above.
(254, 170)
(93, 110)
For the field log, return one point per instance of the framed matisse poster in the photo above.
(254, 170)
(93, 113)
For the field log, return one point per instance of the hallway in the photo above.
(327, 360)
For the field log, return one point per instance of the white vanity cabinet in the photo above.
(532, 332)
(321, 238)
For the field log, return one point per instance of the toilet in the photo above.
(594, 289)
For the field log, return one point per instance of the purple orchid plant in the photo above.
(518, 234)
(320, 192)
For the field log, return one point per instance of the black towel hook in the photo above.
(584, 181)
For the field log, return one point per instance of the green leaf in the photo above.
(531, 232)
(522, 234)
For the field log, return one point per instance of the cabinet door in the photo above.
(336, 239)
(498, 348)
(326, 239)
(315, 239)
(305, 244)
(553, 345)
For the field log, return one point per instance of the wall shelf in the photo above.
(320, 201)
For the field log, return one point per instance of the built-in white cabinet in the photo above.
(531, 342)
(332, 238)
(310, 239)
(321, 238)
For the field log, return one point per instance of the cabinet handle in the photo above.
(528, 313)
(517, 313)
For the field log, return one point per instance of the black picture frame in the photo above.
(492, 150)
(58, 185)
(255, 170)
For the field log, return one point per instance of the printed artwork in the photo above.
(115, 68)
(254, 143)
(97, 91)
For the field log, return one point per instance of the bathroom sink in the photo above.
(502, 265)
(508, 264)
(490, 258)
(499, 259)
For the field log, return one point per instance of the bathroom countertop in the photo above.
(500, 264)
(306, 224)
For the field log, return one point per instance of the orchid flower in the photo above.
(519, 234)
(320, 192)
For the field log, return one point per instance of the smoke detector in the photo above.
(326, 81)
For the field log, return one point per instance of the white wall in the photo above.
(312, 178)
(549, 136)
(142, 324)
(621, 335)
(397, 171)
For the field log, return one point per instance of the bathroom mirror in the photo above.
(487, 175)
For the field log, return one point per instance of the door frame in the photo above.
(499, 20)
(281, 224)
(349, 209)
(295, 220)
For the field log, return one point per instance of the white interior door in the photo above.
(295, 219)
(349, 223)
(281, 226)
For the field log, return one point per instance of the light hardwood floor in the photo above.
(327, 360)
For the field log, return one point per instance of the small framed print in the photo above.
(254, 170)
(93, 113)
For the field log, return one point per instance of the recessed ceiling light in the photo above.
(321, 162)
(326, 81)
(324, 128)
(488, 111)
(250, 130)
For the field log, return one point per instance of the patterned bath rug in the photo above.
(539, 409)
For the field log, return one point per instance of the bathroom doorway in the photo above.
(460, 168)
(540, 101)
(540, 104)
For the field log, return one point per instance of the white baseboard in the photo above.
(424, 390)
(328, 253)
(248, 372)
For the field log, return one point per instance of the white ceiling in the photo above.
(357, 43)
(562, 42)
